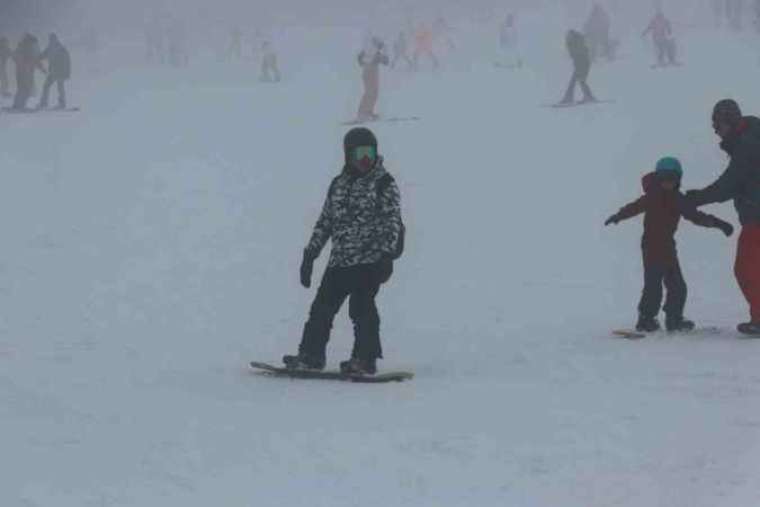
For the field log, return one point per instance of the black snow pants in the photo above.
(580, 76)
(655, 275)
(49, 82)
(360, 284)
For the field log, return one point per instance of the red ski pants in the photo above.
(747, 267)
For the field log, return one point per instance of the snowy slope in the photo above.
(151, 245)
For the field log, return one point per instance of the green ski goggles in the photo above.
(362, 152)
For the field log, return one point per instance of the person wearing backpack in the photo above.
(362, 217)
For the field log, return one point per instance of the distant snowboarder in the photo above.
(662, 36)
(177, 38)
(442, 32)
(401, 51)
(270, 71)
(58, 71)
(423, 46)
(370, 60)
(663, 205)
(581, 57)
(27, 60)
(362, 217)
(6, 53)
(155, 41)
(235, 49)
(508, 44)
(597, 32)
(740, 182)
(734, 13)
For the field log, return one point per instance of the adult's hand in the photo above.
(612, 220)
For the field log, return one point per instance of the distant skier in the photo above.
(740, 182)
(581, 57)
(370, 61)
(362, 217)
(423, 46)
(734, 13)
(508, 44)
(597, 32)
(177, 37)
(270, 71)
(442, 32)
(27, 60)
(6, 53)
(663, 205)
(662, 36)
(235, 50)
(58, 71)
(401, 51)
(155, 41)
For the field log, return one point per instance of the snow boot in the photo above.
(647, 324)
(749, 328)
(356, 366)
(678, 324)
(304, 362)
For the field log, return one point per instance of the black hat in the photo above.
(727, 111)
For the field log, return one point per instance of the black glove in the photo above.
(725, 227)
(691, 195)
(612, 220)
(307, 266)
(384, 269)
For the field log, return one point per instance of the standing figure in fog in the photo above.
(58, 71)
(581, 57)
(270, 71)
(401, 51)
(423, 46)
(508, 44)
(597, 32)
(662, 36)
(5, 55)
(27, 60)
(370, 61)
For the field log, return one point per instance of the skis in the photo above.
(380, 119)
(380, 378)
(631, 334)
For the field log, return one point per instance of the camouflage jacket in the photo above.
(363, 224)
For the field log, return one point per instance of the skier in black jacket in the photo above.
(59, 70)
(581, 56)
(362, 217)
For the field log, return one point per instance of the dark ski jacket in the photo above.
(662, 212)
(578, 49)
(59, 61)
(364, 224)
(741, 180)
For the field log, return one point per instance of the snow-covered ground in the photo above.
(150, 250)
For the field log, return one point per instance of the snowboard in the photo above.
(560, 105)
(29, 110)
(381, 119)
(632, 334)
(380, 378)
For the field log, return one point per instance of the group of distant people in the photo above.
(28, 58)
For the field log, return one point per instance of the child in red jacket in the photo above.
(663, 205)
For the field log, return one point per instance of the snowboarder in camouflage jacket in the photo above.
(362, 217)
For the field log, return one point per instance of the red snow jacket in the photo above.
(662, 212)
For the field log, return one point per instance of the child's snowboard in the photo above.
(566, 105)
(380, 378)
(632, 334)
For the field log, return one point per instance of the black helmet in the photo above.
(359, 136)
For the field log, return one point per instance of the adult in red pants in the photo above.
(740, 137)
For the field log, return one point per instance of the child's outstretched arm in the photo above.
(630, 210)
(693, 215)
